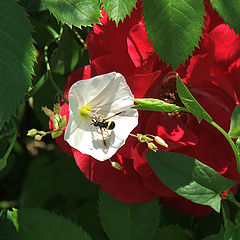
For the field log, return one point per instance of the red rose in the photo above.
(211, 75)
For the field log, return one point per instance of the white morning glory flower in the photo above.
(92, 101)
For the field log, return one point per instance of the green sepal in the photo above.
(63, 122)
(56, 120)
(56, 134)
(158, 105)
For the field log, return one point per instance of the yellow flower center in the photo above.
(85, 111)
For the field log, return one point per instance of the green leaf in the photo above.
(234, 131)
(86, 215)
(170, 233)
(229, 11)
(39, 224)
(7, 230)
(128, 221)
(174, 27)
(49, 178)
(16, 58)
(191, 103)
(31, 5)
(152, 104)
(12, 216)
(66, 57)
(189, 178)
(118, 9)
(218, 236)
(75, 12)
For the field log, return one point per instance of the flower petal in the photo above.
(107, 95)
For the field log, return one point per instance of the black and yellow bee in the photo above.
(103, 124)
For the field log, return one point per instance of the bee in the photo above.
(103, 124)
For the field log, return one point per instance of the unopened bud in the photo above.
(152, 146)
(42, 133)
(160, 141)
(57, 108)
(143, 138)
(117, 166)
(32, 132)
(47, 111)
(38, 137)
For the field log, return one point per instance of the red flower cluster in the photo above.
(212, 75)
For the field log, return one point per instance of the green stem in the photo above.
(234, 201)
(53, 32)
(235, 150)
(38, 85)
(80, 38)
(49, 74)
(3, 162)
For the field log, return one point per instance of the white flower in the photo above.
(98, 98)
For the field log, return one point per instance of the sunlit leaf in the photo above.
(174, 27)
(118, 9)
(75, 12)
(189, 178)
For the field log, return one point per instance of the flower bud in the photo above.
(160, 141)
(143, 138)
(38, 137)
(57, 108)
(152, 146)
(32, 132)
(117, 166)
(47, 111)
(42, 133)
